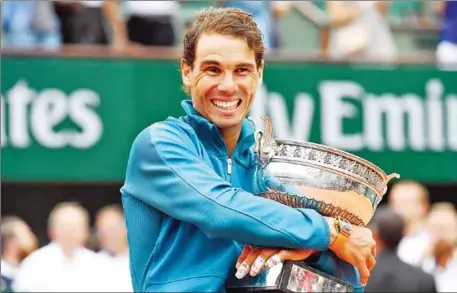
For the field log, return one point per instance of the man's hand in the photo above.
(359, 250)
(253, 259)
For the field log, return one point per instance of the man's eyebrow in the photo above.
(215, 62)
(210, 62)
(249, 65)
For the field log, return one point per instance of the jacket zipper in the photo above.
(229, 168)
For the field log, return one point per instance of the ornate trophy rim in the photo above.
(349, 165)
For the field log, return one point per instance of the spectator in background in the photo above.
(411, 201)
(92, 22)
(390, 273)
(359, 29)
(30, 25)
(440, 258)
(17, 242)
(266, 14)
(152, 23)
(64, 265)
(112, 236)
(446, 52)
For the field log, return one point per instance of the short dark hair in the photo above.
(225, 21)
(389, 225)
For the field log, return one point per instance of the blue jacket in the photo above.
(188, 215)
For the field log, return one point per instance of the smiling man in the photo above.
(188, 195)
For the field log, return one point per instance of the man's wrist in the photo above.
(332, 228)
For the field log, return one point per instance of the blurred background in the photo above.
(79, 80)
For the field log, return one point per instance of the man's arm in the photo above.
(112, 12)
(166, 172)
(329, 263)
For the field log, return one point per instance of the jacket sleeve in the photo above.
(165, 171)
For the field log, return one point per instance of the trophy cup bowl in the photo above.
(333, 182)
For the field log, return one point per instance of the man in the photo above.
(152, 23)
(411, 201)
(188, 192)
(92, 23)
(17, 241)
(64, 265)
(440, 258)
(112, 236)
(446, 51)
(30, 25)
(265, 14)
(392, 274)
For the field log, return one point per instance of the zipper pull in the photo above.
(229, 166)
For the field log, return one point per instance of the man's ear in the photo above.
(186, 73)
(260, 74)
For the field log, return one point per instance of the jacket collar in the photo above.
(205, 128)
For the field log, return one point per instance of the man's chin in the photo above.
(227, 123)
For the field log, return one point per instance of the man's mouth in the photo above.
(227, 105)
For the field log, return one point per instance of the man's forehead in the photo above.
(223, 50)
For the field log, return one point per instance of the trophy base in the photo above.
(292, 276)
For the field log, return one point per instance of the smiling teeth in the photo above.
(226, 105)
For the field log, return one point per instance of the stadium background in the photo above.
(77, 111)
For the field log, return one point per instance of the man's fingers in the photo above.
(295, 254)
(243, 255)
(260, 260)
(371, 262)
(373, 251)
(364, 273)
(287, 254)
(245, 266)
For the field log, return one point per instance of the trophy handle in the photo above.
(392, 176)
(265, 145)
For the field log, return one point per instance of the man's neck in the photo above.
(414, 227)
(11, 260)
(124, 251)
(230, 137)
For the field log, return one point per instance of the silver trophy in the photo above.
(332, 182)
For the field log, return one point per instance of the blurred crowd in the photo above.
(356, 28)
(416, 248)
(75, 260)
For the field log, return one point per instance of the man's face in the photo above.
(223, 80)
(408, 202)
(111, 232)
(70, 228)
(443, 225)
(25, 240)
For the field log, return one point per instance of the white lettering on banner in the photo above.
(48, 108)
(17, 111)
(451, 106)
(394, 109)
(81, 104)
(435, 116)
(389, 121)
(3, 122)
(334, 109)
(302, 116)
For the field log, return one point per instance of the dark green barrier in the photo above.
(75, 119)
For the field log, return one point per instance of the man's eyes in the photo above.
(213, 69)
(242, 70)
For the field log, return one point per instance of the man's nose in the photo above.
(227, 84)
